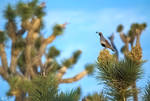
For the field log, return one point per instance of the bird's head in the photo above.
(100, 33)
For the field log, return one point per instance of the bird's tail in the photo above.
(112, 49)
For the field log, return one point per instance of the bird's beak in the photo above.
(97, 32)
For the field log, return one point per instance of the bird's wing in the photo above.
(108, 44)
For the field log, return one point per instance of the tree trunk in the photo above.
(123, 96)
(135, 93)
(20, 97)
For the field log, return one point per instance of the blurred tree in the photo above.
(28, 77)
(146, 96)
(120, 76)
(95, 97)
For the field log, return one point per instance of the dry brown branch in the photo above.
(61, 72)
(75, 78)
(47, 41)
(4, 73)
(3, 57)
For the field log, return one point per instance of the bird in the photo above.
(104, 42)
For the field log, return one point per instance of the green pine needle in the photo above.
(38, 42)
(120, 28)
(147, 93)
(33, 3)
(143, 26)
(96, 97)
(67, 63)
(20, 43)
(43, 88)
(21, 63)
(11, 28)
(135, 26)
(17, 83)
(53, 52)
(24, 11)
(120, 75)
(57, 30)
(123, 49)
(131, 33)
(52, 67)
(39, 12)
(90, 68)
(3, 37)
(10, 13)
(73, 95)
(71, 61)
(29, 10)
(76, 56)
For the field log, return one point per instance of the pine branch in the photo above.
(14, 58)
(50, 66)
(3, 37)
(35, 23)
(21, 32)
(96, 97)
(29, 67)
(135, 92)
(3, 57)
(75, 78)
(73, 59)
(73, 95)
(146, 95)
(17, 45)
(88, 70)
(53, 52)
(4, 73)
(29, 10)
(61, 72)
(11, 29)
(10, 13)
(47, 41)
(57, 30)
(26, 24)
(123, 37)
(138, 37)
(68, 63)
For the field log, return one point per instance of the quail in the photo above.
(104, 42)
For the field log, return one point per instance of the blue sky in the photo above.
(85, 18)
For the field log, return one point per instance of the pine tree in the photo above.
(28, 77)
(146, 96)
(120, 75)
(95, 97)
